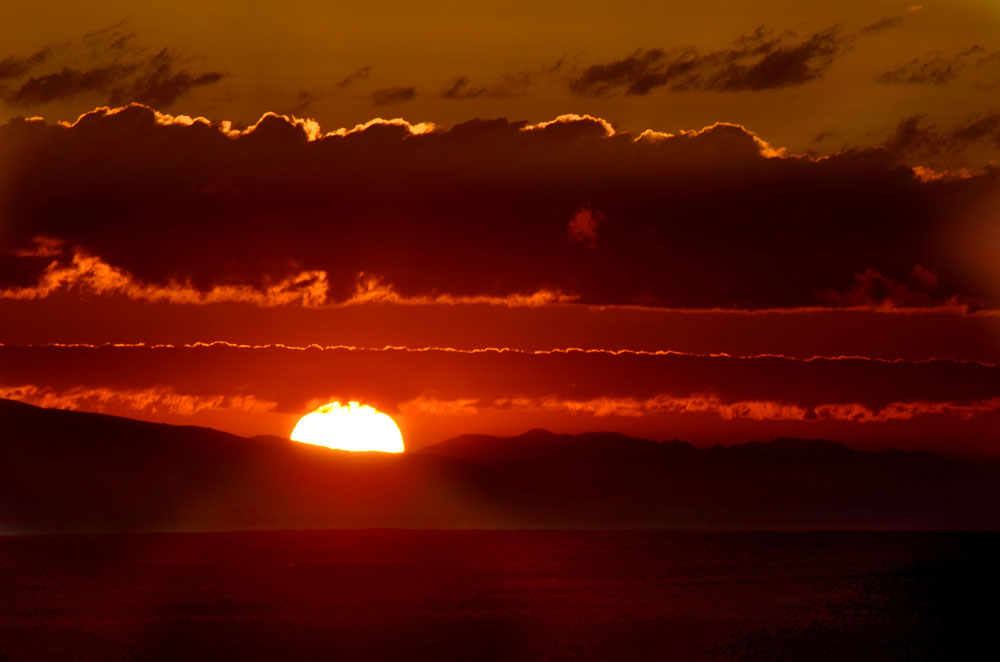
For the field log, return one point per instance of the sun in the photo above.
(350, 427)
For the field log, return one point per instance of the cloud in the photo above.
(303, 100)
(932, 69)
(15, 67)
(872, 289)
(665, 404)
(823, 136)
(160, 85)
(43, 247)
(883, 24)
(89, 276)
(356, 76)
(590, 383)
(508, 85)
(758, 61)
(582, 227)
(393, 95)
(918, 140)
(481, 211)
(148, 402)
(106, 62)
(68, 83)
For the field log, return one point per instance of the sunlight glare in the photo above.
(350, 427)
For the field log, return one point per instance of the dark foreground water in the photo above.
(501, 595)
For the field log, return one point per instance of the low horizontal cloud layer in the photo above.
(148, 402)
(486, 210)
(439, 392)
(292, 378)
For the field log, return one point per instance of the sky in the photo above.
(711, 221)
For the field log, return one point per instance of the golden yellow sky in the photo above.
(292, 56)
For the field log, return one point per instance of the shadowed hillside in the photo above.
(70, 471)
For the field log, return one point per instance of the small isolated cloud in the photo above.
(582, 227)
(42, 247)
(823, 136)
(303, 100)
(358, 75)
(883, 24)
(392, 95)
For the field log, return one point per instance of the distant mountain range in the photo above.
(64, 471)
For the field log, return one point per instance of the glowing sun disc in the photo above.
(350, 427)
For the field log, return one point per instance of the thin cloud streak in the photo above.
(497, 350)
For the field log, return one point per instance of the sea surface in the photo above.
(500, 595)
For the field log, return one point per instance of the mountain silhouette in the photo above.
(64, 471)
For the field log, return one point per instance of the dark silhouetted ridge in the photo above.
(539, 445)
(63, 471)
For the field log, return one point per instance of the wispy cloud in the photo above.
(392, 95)
(760, 60)
(930, 69)
(106, 63)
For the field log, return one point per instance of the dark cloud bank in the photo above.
(701, 219)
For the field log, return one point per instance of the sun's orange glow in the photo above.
(350, 427)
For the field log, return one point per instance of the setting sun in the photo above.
(350, 427)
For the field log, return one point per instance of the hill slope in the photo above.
(66, 471)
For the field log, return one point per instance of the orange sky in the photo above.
(763, 219)
(889, 61)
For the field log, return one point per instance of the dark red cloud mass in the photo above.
(700, 219)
